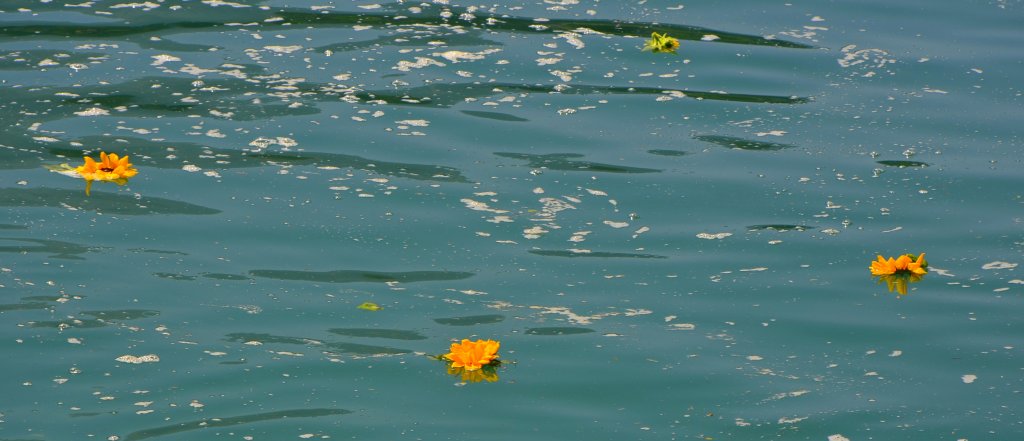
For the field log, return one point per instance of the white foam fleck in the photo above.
(572, 38)
(144, 6)
(682, 326)
(93, 111)
(283, 49)
(481, 206)
(837, 437)
(534, 232)
(420, 63)
(191, 168)
(614, 224)
(224, 3)
(998, 265)
(968, 378)
(132, 359)
(459, 56)
(712, 236)
(414, 122)
(163, 58)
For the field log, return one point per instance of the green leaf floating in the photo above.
(369, 306)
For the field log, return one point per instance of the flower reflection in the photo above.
(111, 168)
(900, 282)
(487, 373)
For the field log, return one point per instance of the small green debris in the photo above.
(661, 43)
(369, 306)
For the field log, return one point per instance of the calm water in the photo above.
(667, 246)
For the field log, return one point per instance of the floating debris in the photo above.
(713, 236)
(369, 306)
(661, 43)
(132, 359)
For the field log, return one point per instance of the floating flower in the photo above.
(111, 168)
(472, 355)
(900, 272)
(661, 43)
(907, 263)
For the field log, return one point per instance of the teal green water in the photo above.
(667, 246)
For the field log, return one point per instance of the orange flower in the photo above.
(473, 355)
(906, 263)
(109, 169)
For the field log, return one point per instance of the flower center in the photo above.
(106, 169)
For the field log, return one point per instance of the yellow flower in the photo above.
(661, 43)
(906, 263)
(486, 373)
(111, 168)
(473, 355)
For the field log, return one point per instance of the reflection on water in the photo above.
(471, 320)
(566, 161)
(358, 349)
(192, 17)
(55, 248)
(174, 276)
(665, 152)
(357, 276)
(742, 144)
(899, 283)
(24, 306)
(497, 116)
(206, 423)
(285, 98)
(594, 254)
(114, 203)
(223, 276)
(487, 374)
(155, 154)
(779, 227)
(340, 347)
(99, 319)
(558, 330)
(395, 334)
(902, 164)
